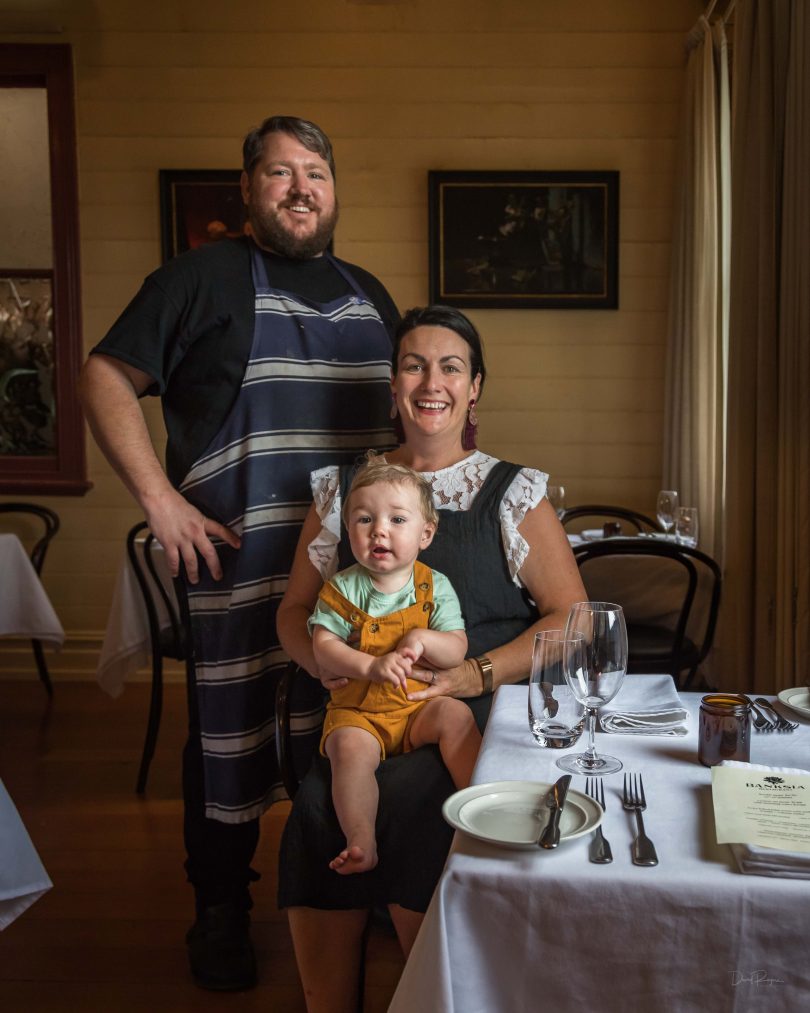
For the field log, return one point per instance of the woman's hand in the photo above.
(462, 681)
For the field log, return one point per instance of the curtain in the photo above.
(765, 618)
(694, 410)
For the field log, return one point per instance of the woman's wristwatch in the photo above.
(485, 668)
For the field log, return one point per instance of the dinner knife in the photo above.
(555, 800)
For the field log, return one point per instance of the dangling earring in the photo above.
(394, 409)
(470, 429)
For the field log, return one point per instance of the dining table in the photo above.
(25, 609)
(520, 929)
(23, 879)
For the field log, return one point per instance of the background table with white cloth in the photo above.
(23, 878)
(511, 930)
(25, 609)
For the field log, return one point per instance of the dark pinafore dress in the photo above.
(315, 391)
(412, 837)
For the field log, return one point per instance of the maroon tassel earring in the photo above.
(470, 429)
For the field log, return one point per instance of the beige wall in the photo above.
(401, 86)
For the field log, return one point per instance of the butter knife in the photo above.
(555, 800)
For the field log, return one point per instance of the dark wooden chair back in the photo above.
(684, 584)
(167, 640)
(632, 522)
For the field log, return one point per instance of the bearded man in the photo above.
(271, 358)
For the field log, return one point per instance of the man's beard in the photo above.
(271, 234)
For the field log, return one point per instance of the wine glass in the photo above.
(686, 527)
(596, 675)
(556, 497)
(666, 507)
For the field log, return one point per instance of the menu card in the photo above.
(770, 808)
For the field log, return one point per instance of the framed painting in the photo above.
(199, 206)
(524, 239)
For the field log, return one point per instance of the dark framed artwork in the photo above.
(42, 437)
(524, 239)
(199, 206)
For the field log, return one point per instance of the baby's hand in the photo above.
(411, 645)
(393, 668)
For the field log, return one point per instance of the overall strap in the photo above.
(340, 604)
(494, 488)
(422, 582)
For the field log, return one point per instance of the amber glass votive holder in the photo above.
(724, 729)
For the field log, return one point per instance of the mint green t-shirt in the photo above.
(355, 584)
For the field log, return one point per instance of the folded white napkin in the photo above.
(645, 705)
(756, 860)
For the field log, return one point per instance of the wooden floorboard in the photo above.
(109, 935)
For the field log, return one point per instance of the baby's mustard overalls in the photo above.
(381, 709)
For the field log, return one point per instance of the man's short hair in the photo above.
(309, 134)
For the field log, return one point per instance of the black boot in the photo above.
(220, 952)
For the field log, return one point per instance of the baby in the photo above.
(404, 613)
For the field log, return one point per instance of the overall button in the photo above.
(374, 628)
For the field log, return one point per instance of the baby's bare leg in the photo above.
(354, 755)
(449, 723)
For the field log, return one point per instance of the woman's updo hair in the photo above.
(453, 320)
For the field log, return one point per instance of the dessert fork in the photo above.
(633, 800)
(761, 722)
(599, 851)
(782, 724)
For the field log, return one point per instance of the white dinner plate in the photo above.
(512, 813)
(798, 699)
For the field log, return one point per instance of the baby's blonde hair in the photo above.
(377, 471)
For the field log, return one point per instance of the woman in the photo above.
(504, 550)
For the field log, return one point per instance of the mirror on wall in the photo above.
(41, 429)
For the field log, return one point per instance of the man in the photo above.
(271, 358)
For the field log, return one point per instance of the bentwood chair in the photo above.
(167, 640)
(50, 522)
(632, 522)
(670, 594)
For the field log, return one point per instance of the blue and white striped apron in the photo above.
(315, 392)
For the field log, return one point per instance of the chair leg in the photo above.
(153, 723)
(42, 668)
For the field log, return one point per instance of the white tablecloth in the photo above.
(25, 610)
(511, 931)
(126, 646)
(23, 878)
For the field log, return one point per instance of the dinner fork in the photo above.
(599, 851)
(782, 723)
(633, 800)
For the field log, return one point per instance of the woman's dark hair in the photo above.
(304, 131)
(453, 320)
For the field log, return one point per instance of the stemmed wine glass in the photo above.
(595, 675)
(556, 497)
(666, 507)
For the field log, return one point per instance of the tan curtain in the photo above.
(694, 410)
(764, 623)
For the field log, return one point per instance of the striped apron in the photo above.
(315, 391)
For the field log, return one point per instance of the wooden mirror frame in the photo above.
(63, 472)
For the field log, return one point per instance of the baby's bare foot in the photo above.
(355, 858)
